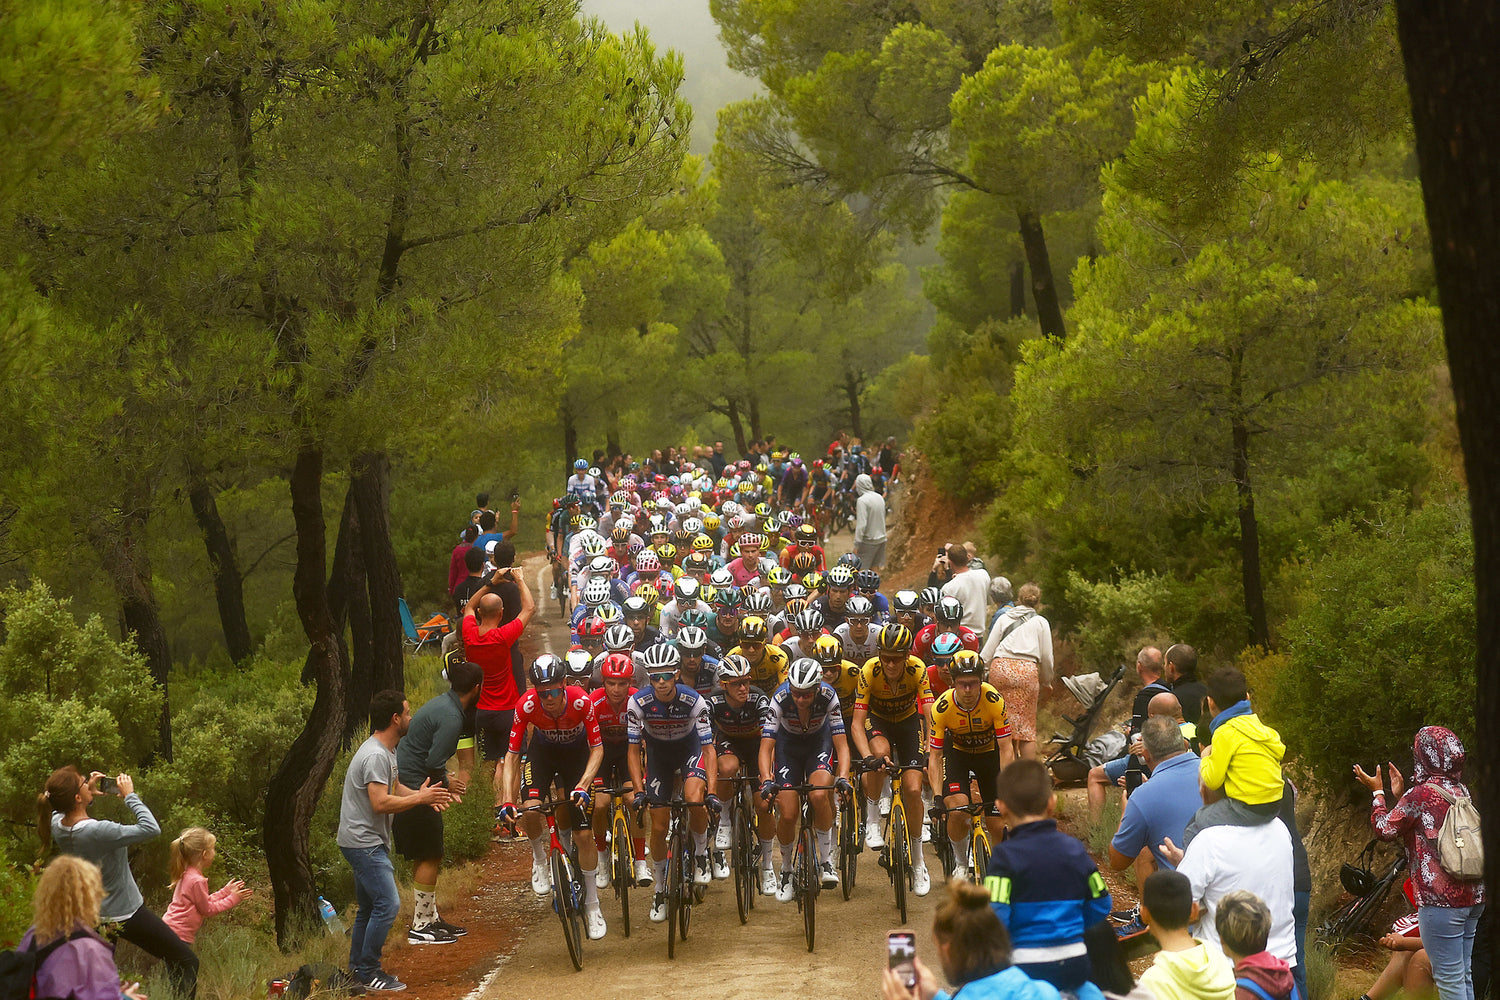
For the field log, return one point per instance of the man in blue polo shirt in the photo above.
(1162, 806)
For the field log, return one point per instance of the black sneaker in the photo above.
(384, 982)
(431, 934)
(453, 929)
(1125, 916)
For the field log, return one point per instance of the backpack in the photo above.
(18, 968)
(1459, 848)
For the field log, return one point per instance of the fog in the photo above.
(687, 27)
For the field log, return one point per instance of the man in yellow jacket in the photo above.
(1240, 776)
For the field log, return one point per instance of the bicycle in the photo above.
(805, 882)
(746, 860)
(895, 856)
(978, 860)
(567, 890)
(681, 890)
(1350, 919)
(621, 871)
(851, 839)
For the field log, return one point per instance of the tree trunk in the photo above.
(1255, 595)
(612, 436)
(292, 796)
(371, 487)
(755, 429)
(853, 385)
(1449, 49)
(733, 412)
(121, 545)
(1043, 289)
(570, 436)
(349, 605)
(1018, 289)
(229, 592)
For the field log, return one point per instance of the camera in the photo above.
(108, 786)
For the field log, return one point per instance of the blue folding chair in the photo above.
(415, 640)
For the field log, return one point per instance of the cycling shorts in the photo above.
(548, 764)
(664, 761)
(493, 731)
(747, 752)
(905, 737)
(614, 770)
(959, 766)
(797, 757)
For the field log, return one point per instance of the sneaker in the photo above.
(960, 872)
(541, 878)
(921, 881)
(767, 882)
(594, 918)
(453, 929)
(1131, 929)
(1125, 916)
(827, 877)
(384, 982)
(702, 876)
(885, 802)
(784, 891)
(429, 935)
(644, 876)
(601, 879)
(874, 837)
(721, 865)
(721, 839)
(659, 908)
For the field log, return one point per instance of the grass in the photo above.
(1097, 833)
(1322, 973)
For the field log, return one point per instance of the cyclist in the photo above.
(948, 616)
(725, 627)
(855, 634)
(806, 544)
(591, 635)
(839, 673)
(669, 725)
(803, 731)
(565, 749)
(637, 612)
(793, 485)
(840, 581)
(578, 666)
(747, 570)
(818, 496)
(610, 705)
(867, 584)
(738, 712)
(970, 740)
(809, 625)
(684, 596)
(700, 659)
(891, 703)
(768, 663)
(906, 610)
(583, 485)
(940, 662)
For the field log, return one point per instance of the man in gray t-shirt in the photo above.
(359, 824)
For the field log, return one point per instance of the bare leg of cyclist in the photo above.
(786, 833)
(694, 790)
(911, 799)
(822, 803)
(958, 826)
(661, 817)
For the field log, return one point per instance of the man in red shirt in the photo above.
(487, 642)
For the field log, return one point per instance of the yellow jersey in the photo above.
(846, 685)
(972, 731)
(896, 701)
(770, 672)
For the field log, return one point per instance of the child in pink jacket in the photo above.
(192, 855)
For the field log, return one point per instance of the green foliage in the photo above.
(1382, 635)
(17, 883)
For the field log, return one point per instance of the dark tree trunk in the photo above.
(229, 592)
(732, 409)
(612, 435)
(371, 486)
(349, 605)
(570, 436)
(121, 546)
(853, 385)
(1250, 578)
(1043, 288)
(1450, 51)
(292, 796)
(754, 408)
(1018, 289)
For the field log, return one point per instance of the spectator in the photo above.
(890, 461)
(974, 561)
(488, 640)
(489, 525)
(869, 524)
(1448, 908)
(1243, 923)
(73, 960)
(1182, 677)
(974, 950)
(717, 459)
(1186, 968)
(192, 854)
(456, 566)
(373, 793)
(1019, 652)
(63, 818)
(1243, 760)
(1103, 777)
(1161, 808)
(1002, 597)
(970, 585)
(1301, 884)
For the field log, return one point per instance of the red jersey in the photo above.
(937, 680)
(578, 723)
(921, 647)
(492, 652)
(612, 726)
(791, 551)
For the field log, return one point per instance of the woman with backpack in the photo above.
(72, 960)
(1450, 898)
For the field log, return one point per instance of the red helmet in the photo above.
(618, 666)
(817, 463)
(592, 626)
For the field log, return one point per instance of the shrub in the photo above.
(17, 883)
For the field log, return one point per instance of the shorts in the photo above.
(747, 752)
(492, 731)
(959, 765)
(664, 761)
(1115, 769)
(614, 770)
(548, 764)
(905, 737)
(418, 833)
(797, 757)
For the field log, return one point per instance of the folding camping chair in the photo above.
(427, 635)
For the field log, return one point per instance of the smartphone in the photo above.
(515, 495)
(901, 954)
(108, 786)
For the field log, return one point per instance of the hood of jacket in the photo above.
(1269, 972)
(1197, 973)
(863, 484)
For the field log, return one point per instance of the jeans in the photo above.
(1448, 936)
(1301, 903)
(146, 931)
(379, 902)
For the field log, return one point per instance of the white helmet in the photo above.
(804, 673)
(596, 591)
(734, 666)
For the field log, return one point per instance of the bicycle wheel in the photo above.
(740, 861)
(620, 844)
(979, 854)
(674, 893)
(900, 862)
(685, 885)
(807, 872)
(942, 844)
(849, 844)
(750, 834)
(565, 901)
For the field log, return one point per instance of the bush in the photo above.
(17, 883)
(1382, 639)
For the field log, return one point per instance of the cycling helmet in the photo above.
(619, 499)
(702, 543)
(618, 637)
(757, 602)
(840, 578)
(828, 649)
(809, 620)
(779, 577)
(686, 589)
(762, 509)
(698, 562)
(949, 610)
(721, 578)
(691, 526)
(867, 580)
(893, 638)
(578, 466)
(814, 581)
(617, 666)
(608, 613)
(621, 534)
(710, 522)
(804, 562)
(732, 667)
(929, 597)
(743, 465)
(946, 645)
(817, 463)
(805, 673)
(849, 559)
(666, 552)
(635, 605)
(594, 544)
(795, 605)
(580, 666)
(691, 639)
(596, 592)
(753, 629)
(858, 606)
(587, 523)
(807, 533)
(706, 595)
(855, 449)
(659, 527)
(636, 547)
(906, 600)
(547, 669)
(602, 566)
(966, 663)
(649, 594)
(647, 562)
(745, 487)
(662, 656)
(794, 591)
(692, 618)
(750, 540)
(592, 626)
(732, 508)
(726, 597)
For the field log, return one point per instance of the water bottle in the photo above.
(330, 918)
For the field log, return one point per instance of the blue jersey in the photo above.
(786, 719)
(684, 719)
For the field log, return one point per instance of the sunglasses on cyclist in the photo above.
(803, 694)
(662, 676)
(549, 692)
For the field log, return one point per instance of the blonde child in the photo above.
(192, 855)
